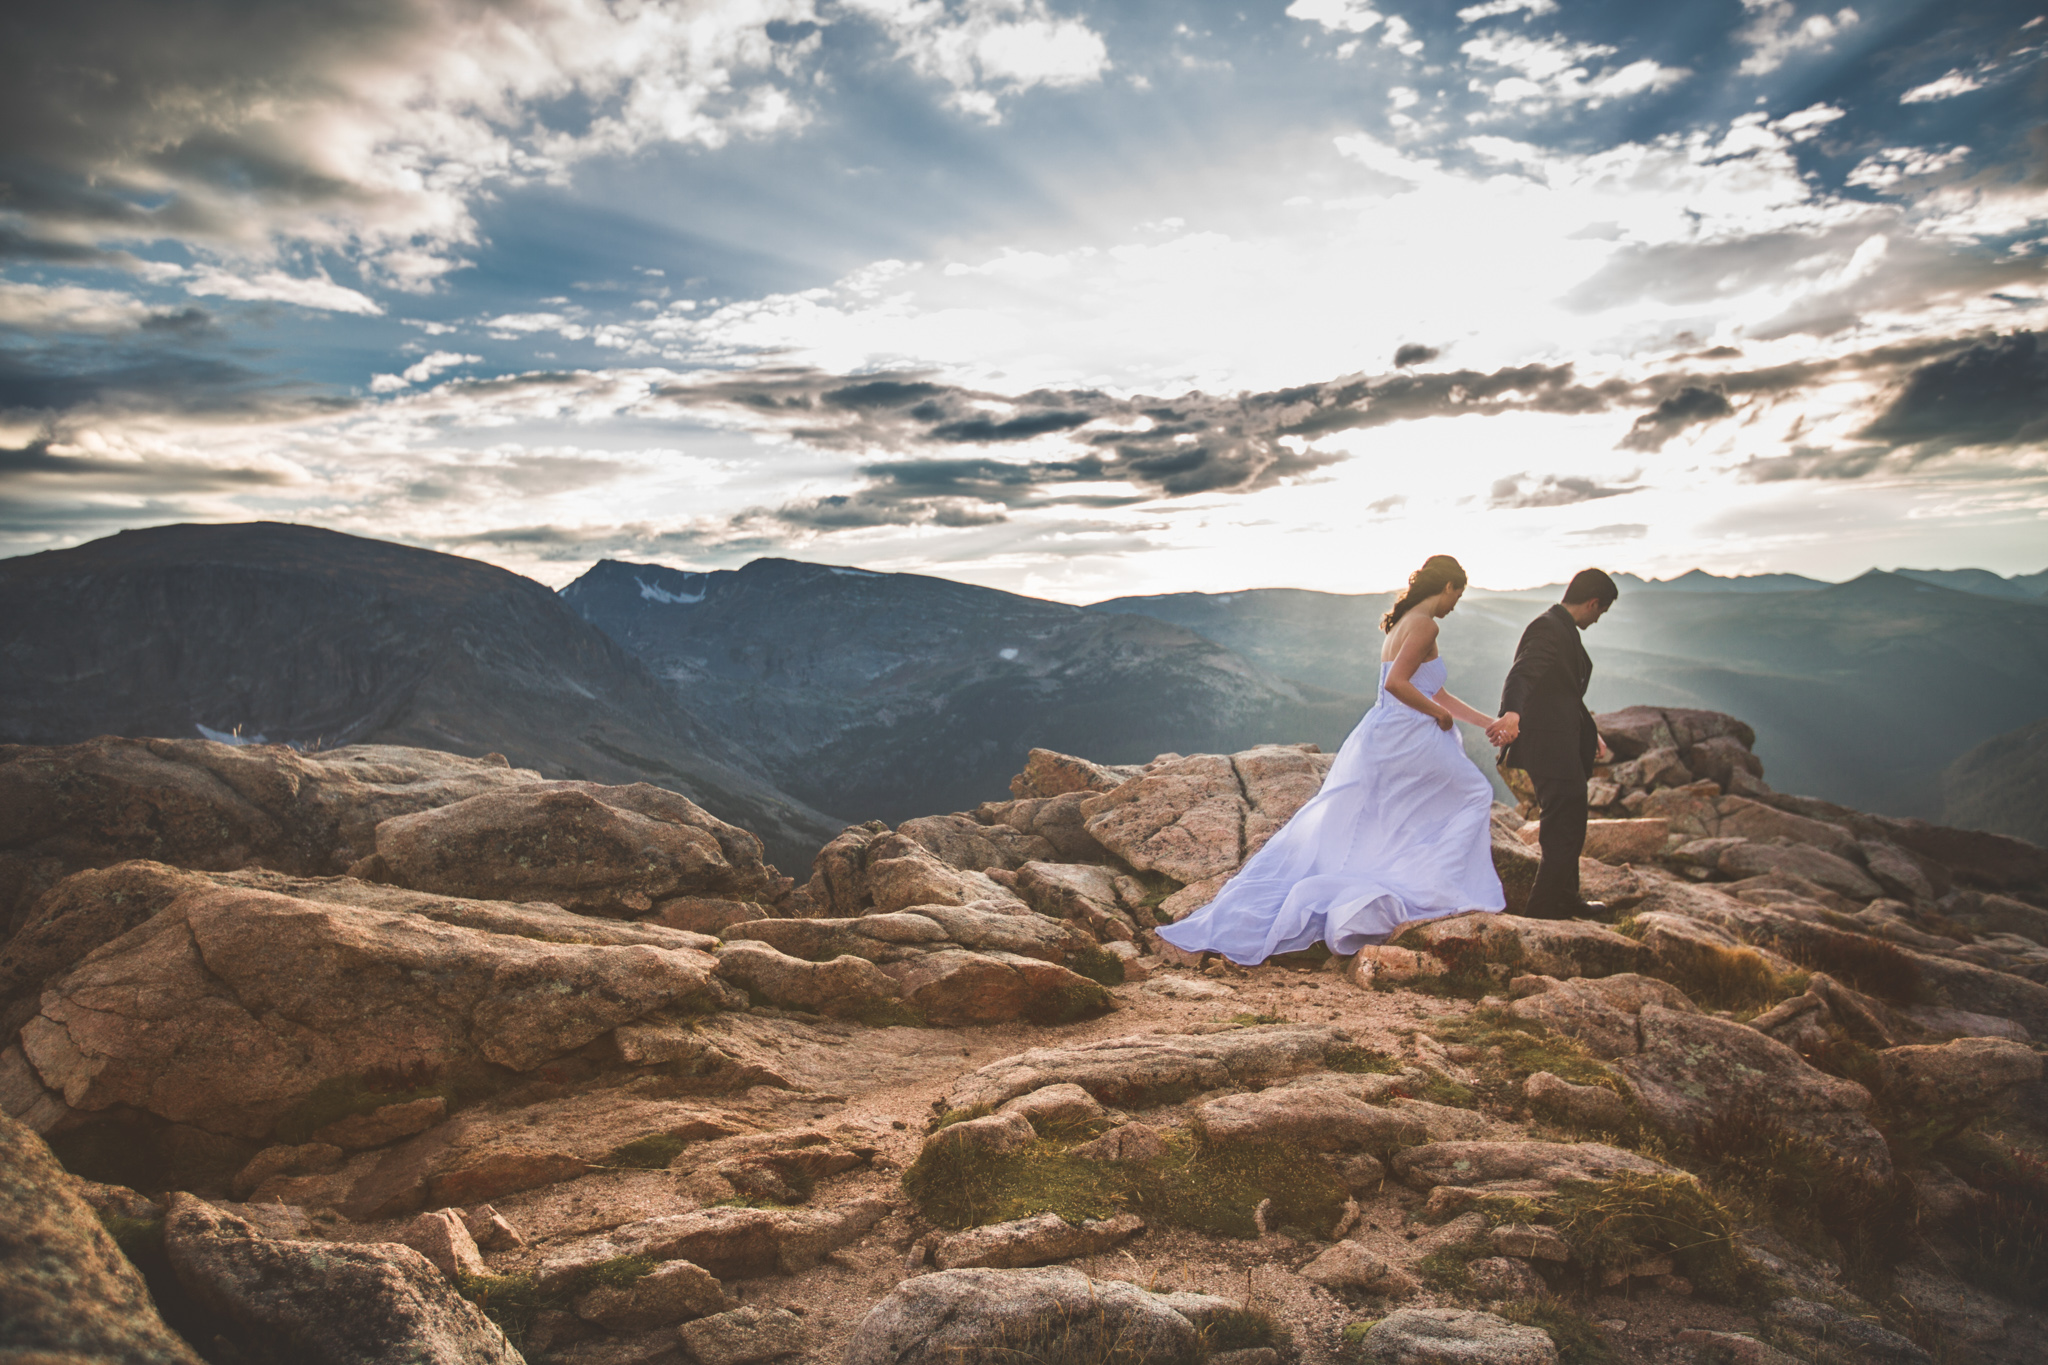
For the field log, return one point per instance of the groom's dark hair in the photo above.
(1588, 584)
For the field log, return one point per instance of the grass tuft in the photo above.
(1097, 963)
(340, 1097)
(1619, 1223)
(888, 1012)
(1360, 1061)
(1195, 1185)
(1245, 1329)
(1254, 1020)
(1738, 980)
(514, 1301)
(1871, 965)
(1069, 1003)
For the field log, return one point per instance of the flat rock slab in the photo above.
(1454, 1336)
(484, 1155)
(744, 1336)
(731, 1243)
(1137, 1070)
(998, 1317)
(1548, 947)
(1034, 1241)
(1316, 1119)
(327, 1302)
(1485, 1163)
(1599, 1012)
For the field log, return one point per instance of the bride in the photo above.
(1400, 830)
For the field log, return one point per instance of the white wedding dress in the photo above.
(1399, 832)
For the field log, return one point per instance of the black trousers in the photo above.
(1563, 836)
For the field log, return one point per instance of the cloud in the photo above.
(421, 370)
(1689, 407)
(364, 129)
(1496, 9)
(1338, 16)
(1621, 530)
(1773, 36)
(1554, 71)
(68, 308)
(1551, 490)
(989, 49)
(316, 291)
(1994, 393)
(1414, 353)
(1945, 87)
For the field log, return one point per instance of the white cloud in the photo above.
(421, 370)
(1338, 16)
(1773, 36)
(68, 308)
(1942, 88)
(988, 49)
(1554, 71)
(315, 291)
(1496, 9)
(1886, 169)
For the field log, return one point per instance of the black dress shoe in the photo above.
(1598, 910)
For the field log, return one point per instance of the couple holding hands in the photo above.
(1401, 829)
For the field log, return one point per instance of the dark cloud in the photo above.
(1414, 353)
(1690, 406)
(1809, 462)
(1128, 449)
(61, 380)
(1992, 393)
(1550, 491)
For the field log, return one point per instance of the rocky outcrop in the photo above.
(869, 870)
(245, 994)
(612, 851)
(217, 807)
(1517, 945)
(990, 1315)
(66, 1291)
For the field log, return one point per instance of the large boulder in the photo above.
(1797, 860)
(327, 1302)
(1135, 1070)
(1047, 773)
(1692, 1071)
(66, 1291)
(845, 987)
(953, 986)
(1599, 1012)
(247, 992)
(201, 804)
(989, 1317)
(598, 850)
(1200, 817)
(1056, 819)
(1087, 894)
(899, 935)
(868, 869)
(1958, 1077)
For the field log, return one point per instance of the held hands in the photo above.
(1603, 754)
(1445, 721)
(1506, 730)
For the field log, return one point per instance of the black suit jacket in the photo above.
(1547, 688)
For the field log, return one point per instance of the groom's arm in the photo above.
(1539, 652)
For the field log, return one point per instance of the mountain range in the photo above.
(303, 636)
(794, 698)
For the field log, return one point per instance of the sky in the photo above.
(1067, 299)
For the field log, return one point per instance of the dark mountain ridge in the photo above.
(887, 695)
(311, 637)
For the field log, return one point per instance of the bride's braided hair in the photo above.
(1437, 573)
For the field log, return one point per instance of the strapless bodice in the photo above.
(1429, 679)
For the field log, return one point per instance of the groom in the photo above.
(1551, 736)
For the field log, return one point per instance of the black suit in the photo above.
(1556, 747)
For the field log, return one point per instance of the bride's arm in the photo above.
(1462, 711)
(1401, 679)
